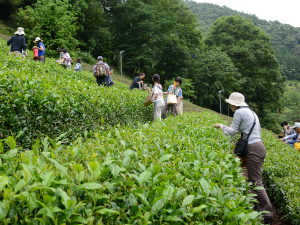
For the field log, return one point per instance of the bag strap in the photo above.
(159, 87)
(251, 127)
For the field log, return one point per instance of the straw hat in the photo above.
(20, 31)
(236, 99)
(37, 39)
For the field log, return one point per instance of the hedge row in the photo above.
(281, 176)
(174, 172)
(45, 99)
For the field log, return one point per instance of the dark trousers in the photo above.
(255, 159)
(167, 108)
(102, 81)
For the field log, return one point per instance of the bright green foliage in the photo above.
(281, 176)
(251, 51)
(177, 171)
(45, 99)
(214, 71)
(53, 22)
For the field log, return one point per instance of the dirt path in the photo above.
(277, 220)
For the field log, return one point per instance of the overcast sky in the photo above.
(285, 11)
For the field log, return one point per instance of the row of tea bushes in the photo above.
(282, 176)
(178, 171)
(45, 99)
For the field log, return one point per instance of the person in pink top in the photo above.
(67, 58)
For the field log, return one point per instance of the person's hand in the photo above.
(282, 131)
(141, 81)
(218, 125)
(34, 47)
(26, 54)
(148, 88)
(281, 139)
(115, 83)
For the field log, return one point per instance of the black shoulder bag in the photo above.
(242, 144)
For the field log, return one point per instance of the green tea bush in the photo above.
(178, 171)
(281, 176)
(45, 99)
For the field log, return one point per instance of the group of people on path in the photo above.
(161, 106)
(244, 119)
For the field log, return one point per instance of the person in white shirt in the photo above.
(159, 99)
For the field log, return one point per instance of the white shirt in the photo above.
(157, 89)
(243, 119)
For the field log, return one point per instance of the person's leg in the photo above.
(99, 81)
(173, 110)
(165, 110)
(255, 159)
(180, 108)
(158, 107)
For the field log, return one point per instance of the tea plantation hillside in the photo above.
(45, 99)
(103, 163)
(177, 171)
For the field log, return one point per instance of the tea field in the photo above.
(77, 153)
(45, 99)
(179, 171)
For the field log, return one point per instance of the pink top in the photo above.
(67, 58)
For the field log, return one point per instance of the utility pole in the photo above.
(121, 62)
(220, 94)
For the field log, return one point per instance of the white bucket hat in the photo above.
(236, 99)
(296, 125)
(37, 39)
(20, 31)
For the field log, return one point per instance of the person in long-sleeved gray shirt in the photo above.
(18, 42)
(243, 120)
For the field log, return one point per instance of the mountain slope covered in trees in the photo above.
(285, 38)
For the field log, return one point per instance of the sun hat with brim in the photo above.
(37, 39)
(236, 99)
(296, 125)
(20, 31)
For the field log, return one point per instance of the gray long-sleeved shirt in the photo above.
(242, 121)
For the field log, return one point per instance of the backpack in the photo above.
(101, 70)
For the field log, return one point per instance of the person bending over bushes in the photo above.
(246, 121)
(137, 81)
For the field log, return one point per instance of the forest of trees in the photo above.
(166, 37)
(285, 38)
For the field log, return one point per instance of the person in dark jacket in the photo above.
(137, 81)
(18, 42)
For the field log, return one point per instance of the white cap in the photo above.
(37, 39)
(296, 125)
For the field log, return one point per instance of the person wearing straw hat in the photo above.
(243, 120)
(18, 42)
(41, 48)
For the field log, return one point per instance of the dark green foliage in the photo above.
(52, 21)
(214, 71)
(250, 49)
(285, 38)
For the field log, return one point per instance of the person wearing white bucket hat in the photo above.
(18, 42)
(41, 49)
(243, 120)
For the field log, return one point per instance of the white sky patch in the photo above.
(285, 11)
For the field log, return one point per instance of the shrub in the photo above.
(177, 171)
(45, 99)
